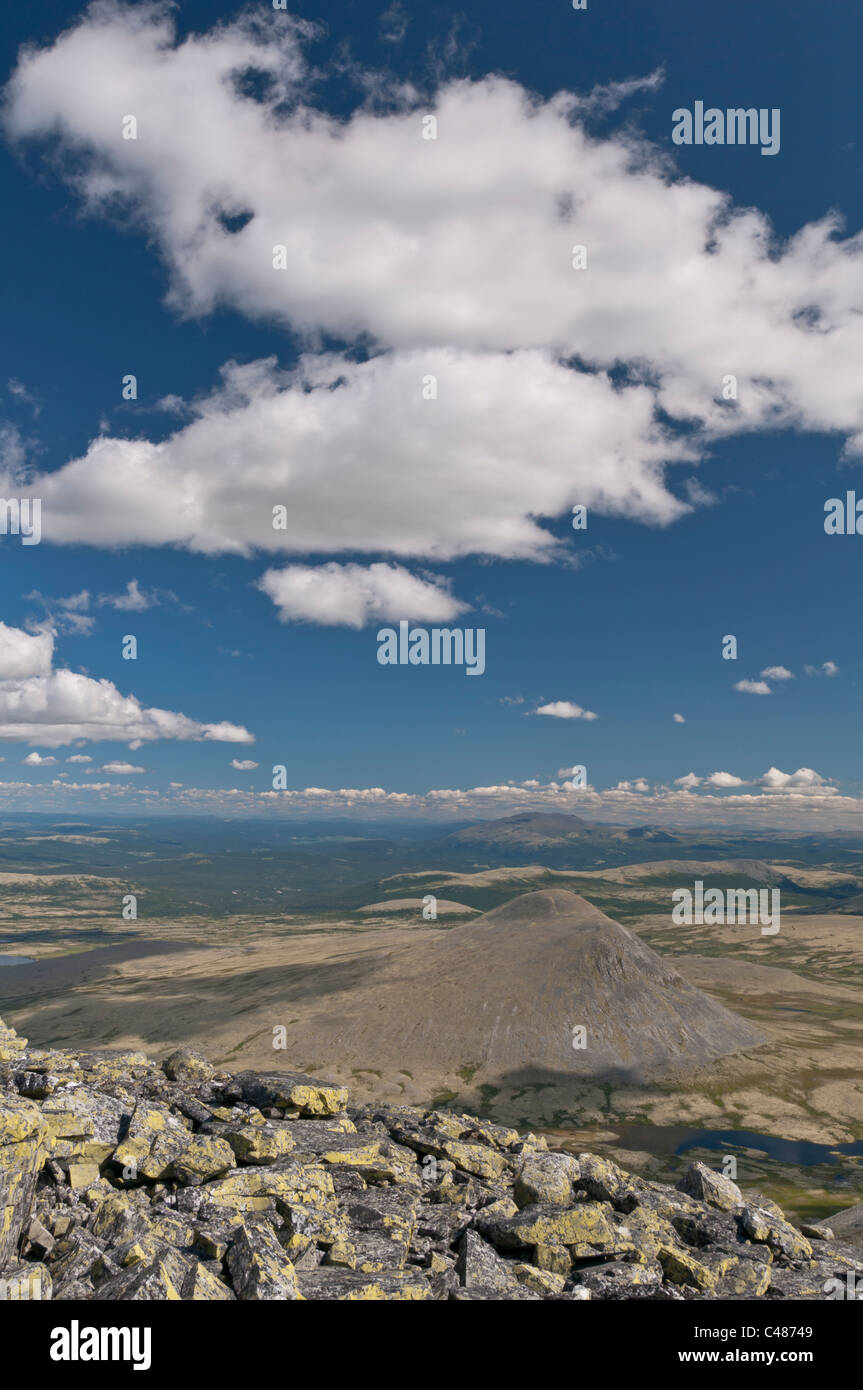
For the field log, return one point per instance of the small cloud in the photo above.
(803, 778)
(565, 709)
(777, 673)
(36, 760)
(753, 687)
(678, 719)
(126, 768)
(134, 600)
(79, 758)
(76, 603)
(604, 98)
(638, 785)
(393, 23)
(698, 495)
(173, 405)
(827, 668)
(243, 764)
(73, 613)
(688, 782)
(65, 614)
(724, 779)
(19, 391)
(511, 700)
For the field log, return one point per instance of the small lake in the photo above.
(16, 960)
(785, 1150)
(665, 1141)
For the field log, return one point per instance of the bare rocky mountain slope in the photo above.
(503, 992)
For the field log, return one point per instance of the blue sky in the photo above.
(704, 518)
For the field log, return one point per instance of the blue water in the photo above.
(16, 960)
(784, 1150)
(665, 1140)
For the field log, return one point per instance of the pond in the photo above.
(668, 1140)
(800, 1151)
(809, 1180)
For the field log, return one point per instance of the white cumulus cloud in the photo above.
(356, 595)
(565, 709)
(438, 479)
(688, 782)
(52, 706)
(805, 778)
(753, 687)
(24, 654)
(453, 258)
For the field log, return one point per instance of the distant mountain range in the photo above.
(533, 830)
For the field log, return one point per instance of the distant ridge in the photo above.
(548, 829)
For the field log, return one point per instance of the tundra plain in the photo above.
(259, 948)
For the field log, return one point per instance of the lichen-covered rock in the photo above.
(616, 1279)
(681, 1267)
(539, 1281)
(480, 1266)
(147, 1283)
(817, 1231)
(83, 1175)
(605, 1182)
(552, 1259)
(26, 1282)
(186, 1065)
(121, 1179)
(83, 1126)
(349, 1286)
(205, 1287)
(259, 1267)
(711, 1187)
(11, 1046)
(23, 1149)
(765, 1224)
(257, 1189)
(291, 1092)
(807, 1285)
(546, 1178)
(585, 1229)
(259, 1143)
(743, 1278)
(155, 1138)
(203, 1158)
(476, 1158)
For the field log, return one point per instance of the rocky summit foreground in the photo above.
(121, 1179)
